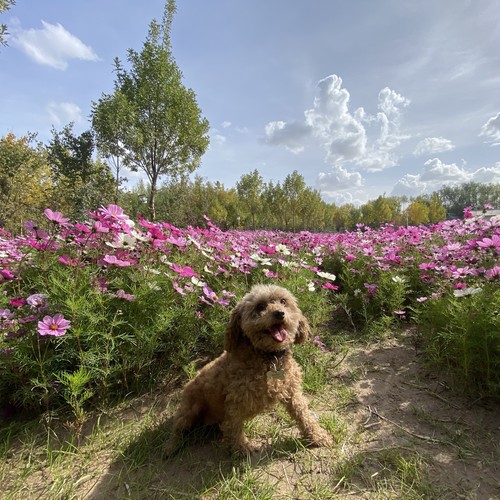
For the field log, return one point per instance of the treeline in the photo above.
(65, 175)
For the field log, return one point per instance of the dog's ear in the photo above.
(303, 331)
(234, 333)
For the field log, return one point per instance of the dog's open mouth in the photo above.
(278, 333)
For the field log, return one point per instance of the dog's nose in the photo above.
(279, 314)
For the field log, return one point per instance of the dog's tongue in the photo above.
(278, 333)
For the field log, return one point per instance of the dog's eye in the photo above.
(283, 301)
(261, 307)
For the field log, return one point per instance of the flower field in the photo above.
(93, 310)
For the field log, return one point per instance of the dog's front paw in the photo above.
(321, 439)
(246, 448)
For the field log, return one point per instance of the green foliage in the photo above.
(25, 184)
(370, 299)
(4, 6)
(461, 333)
(80, 183)
(152, 120)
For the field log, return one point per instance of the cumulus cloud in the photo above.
(433, 145)
(52, 45)
(437, 171)
(64, 112)
(348, 137)
(341, 133)
(352, 139)
(487, 175)
(338, 178)
(491, 130)
(290, 135)
(436, 174)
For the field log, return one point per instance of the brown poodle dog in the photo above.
(255, 371)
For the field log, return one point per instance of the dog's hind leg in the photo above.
(186, 418)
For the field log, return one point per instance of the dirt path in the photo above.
(401, 405)
(405, 435)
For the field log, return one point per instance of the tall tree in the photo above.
(82, 183)
(106, 122)
(159, 125)
(25, 184)
(294, 186)
(250, 188)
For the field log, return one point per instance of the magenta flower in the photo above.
(329, 286)
(493, 242)
(114, 212)
(17, 302)
(55, 326)
(4, 273)
(494, 272)
(186, 271)
(56, 217)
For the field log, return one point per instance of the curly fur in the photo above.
(255, 371)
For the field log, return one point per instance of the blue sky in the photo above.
(361, 97)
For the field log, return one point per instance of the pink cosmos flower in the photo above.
(111, 259)
(319, 344)
(37, 300)
(493, 242)
(55, 326)
(56, 217)
(6, 314)
(494, 272)
(329, 286)
(114, 212)
(121, 294)
(6, 274)
(186, 271)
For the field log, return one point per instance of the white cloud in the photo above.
(433, 145)
(409, 185)
(52, 45)
(290, 135)
(226, 124)
(487, 175)
(437, 171)
(216, 138)
(341, 133)
(64, 112)
(436, 174)
(491, 130)
(356, 138)
(390, 102)
(337, 179)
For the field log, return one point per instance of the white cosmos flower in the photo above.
(123, 240)
(197, 282)
(282, 249)
(327, 276)
(467, 291)
(398, 279)
(310, 286)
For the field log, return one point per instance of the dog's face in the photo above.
(269, 317)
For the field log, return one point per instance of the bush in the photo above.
(97, 309)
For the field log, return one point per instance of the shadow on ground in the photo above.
(203, 463)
